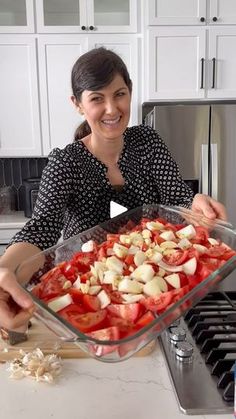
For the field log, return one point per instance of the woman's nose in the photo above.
(110, 107)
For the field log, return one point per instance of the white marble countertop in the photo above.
(138, 388)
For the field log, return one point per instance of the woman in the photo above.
(107, 161)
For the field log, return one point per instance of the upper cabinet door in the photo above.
(58, 16)
(176, 63)
(19, 103)
(222, 12)
(89, 16)
(16, 16)
(222, 60)
(112, 15)
(181, 12)
(57, 55)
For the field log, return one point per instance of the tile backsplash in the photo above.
(14, 170)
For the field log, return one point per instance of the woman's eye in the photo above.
(120, 94)
(96, 99)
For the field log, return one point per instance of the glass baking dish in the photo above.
(31, 270)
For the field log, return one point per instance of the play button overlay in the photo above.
(116, 209)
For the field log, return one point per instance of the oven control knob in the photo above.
(184, 351)
(177, 334)
(176, 323)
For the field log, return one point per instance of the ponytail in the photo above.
(82, 131)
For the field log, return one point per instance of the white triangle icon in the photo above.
(116, 209)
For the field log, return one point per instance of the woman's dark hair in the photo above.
(93, 71)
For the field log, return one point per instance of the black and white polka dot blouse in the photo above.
(75, 192)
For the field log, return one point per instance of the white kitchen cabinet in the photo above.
(191, 63)
(57, 55)
(222, 63)
(222, 12)
(191, 12)
(174, 69)
(172, 12)
(16, 16)
(58, 16)
(19, 103)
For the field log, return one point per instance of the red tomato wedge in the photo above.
(220, 252)
(146, 318)
(71, 310)
(91, 302)
(159, 303)
(83, 260)
(109, 333)
(51, 285)
(202, 235)
(178, 257)
(89, 322)
(129, 312)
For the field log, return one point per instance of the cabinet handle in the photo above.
(202, 73)
(83, 28)
(214, 19)
(91, 28)
(202, 19)
(213, 73)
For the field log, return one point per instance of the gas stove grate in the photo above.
(212, 323)
(205, 384)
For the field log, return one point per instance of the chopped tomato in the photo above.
(220, 252)
(129, 312)
(71, 310)
(129, 260)
(103, 248)
(113, 237)
(109, 333)
(91, 302)
(124, 326)
(52, 284)
(70, 271)
(171, 227)
(159, 303)
(156, 237)
(77, 295)
(178, 257)
(83, 260)
(89, 322)
(202, 235)
(146, 318)
(36, 291)
(116, 297)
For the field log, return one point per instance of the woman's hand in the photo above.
(208, 207)
(16, 306)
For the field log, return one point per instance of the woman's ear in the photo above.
(77, 104)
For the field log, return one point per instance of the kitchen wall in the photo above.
(14, 170)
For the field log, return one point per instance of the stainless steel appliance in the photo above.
(202, 139)
(200, 352)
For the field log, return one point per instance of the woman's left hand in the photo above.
(209, 207)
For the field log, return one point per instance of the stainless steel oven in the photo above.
(200, 353)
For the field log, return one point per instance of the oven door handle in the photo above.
(204, 170)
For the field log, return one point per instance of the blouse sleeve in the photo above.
(44, 228)
(171, 187)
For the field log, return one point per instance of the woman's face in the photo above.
(107, 111)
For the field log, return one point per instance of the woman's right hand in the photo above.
(16, 306)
